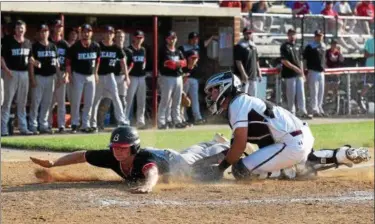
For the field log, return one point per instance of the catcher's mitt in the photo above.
(185, 100)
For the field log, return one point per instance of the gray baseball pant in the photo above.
(2, 91)
(137, 88)
(250, 88)
(295, 89)
(192, 89)
(82, 84)
(122, 92)
(107, 84)
(19, 84)
(59, 98)
(170, 88)
(41, 96)
(316, 88)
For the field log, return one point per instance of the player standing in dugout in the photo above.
(43, 72)
(82, 64)
(15, 55)
(107, 85)
(293, 73)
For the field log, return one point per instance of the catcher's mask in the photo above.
(227, 83)
(125, 136)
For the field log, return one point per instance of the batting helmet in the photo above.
(126, 136)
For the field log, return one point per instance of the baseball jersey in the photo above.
(106, 159)
(267, 123)
(62, 49)
(16, 55)
(315, 54)
(84, 59)
(247, 53)
(136, 59)
(289, 52)
(47, 56)
(185, 50)
(109, 55)
(166, 54)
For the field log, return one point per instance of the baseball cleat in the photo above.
(358, 155)
(219, 138)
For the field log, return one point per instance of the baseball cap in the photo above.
(86, 26)
(334, 41)
(192, 54)
(19, 23)
(247, 30)
(318, 33)
(109, 29)
(291, 30)
(138, 33)
(170, 34)
(57, 23)
(193, 35)
(42, 27)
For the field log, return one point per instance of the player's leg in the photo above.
(61, 109)
(54, 101)
(2, 91)
(36, 98)
(253, 88)
(88, 95)
(176, 102)
(313, 89)
(111, 88)
(10, 88)
(22, 92)
(76, 96)
(300, 95)
(194, 95)
(99, 90)
(122, 92)
(132, 90)
(321, 92)
(165, 84)
(291, 93)
(141, 101)
(45, 104)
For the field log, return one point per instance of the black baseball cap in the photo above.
(42, 27)
(19, 23)
(247, 30)
(138, 33)
(57, 23)
(318, 33)
(193, 35)
(86, 26)
(109, 29)
(291, 30)
(171, 34)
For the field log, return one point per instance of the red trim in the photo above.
(147, 167)
(131, 65)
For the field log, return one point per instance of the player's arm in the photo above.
(124, 66)
(237, 58)
(151, 173)
(287, 63)
(258, 68)
(5, 67)
(32, 72)
(97, 65)
(236, 149)
(72, 158)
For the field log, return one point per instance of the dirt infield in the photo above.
(95, 195)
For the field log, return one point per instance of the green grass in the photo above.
(326, 136)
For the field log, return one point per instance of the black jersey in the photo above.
(109, 57)
(136, 58)
(47, 56)
(84, 59)
(167, 55)
(16, 55)
(248, 54)
(105, 159)
(289, 52)
(315, 55)
(62, 50)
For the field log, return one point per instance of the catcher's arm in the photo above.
(72, 158)
(236, 149)
(152, 175)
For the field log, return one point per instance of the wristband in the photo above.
(224, 165)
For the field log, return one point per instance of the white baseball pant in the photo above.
(82, 84)
(250, 88)
(192, 89)
(107, 86)
(295, 89)
(18, 83)
(41, 96)
(137, 88)
(59, 97)
(316, 89)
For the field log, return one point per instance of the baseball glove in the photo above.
(185, 100)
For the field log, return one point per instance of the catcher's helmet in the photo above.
(227, 83)
(125, 136)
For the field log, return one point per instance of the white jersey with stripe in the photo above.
(267, 123)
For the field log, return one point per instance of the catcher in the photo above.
(142, 166)
(284, 141)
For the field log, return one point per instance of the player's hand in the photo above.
(178, 64)
(8, 73)
(96, 78)
(66, 78)
(143, 189)
(42, 162)
(37, 63)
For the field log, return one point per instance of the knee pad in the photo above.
(240, 171)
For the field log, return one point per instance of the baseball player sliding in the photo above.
(284, 141)
(145, 165)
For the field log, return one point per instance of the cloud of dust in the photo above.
(49, 176)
